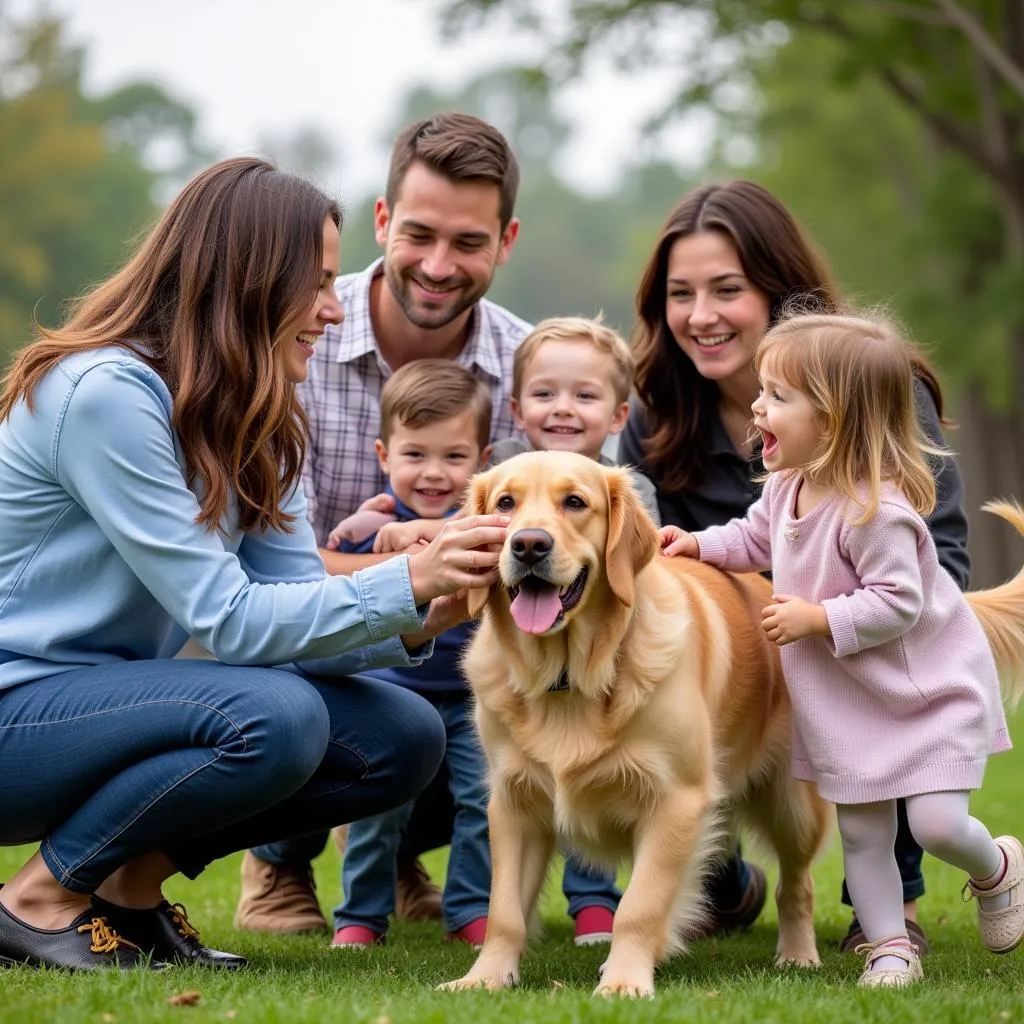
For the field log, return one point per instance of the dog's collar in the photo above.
(561, 684)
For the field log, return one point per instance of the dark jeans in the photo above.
(369, 874)
(198, 759)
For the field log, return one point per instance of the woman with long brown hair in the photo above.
(728, 262)
(150, 459)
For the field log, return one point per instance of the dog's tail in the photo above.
(1001, 613)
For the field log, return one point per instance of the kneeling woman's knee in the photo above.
(290, 728)
(417, 739)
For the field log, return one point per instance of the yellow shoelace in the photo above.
(185, 926)
(104, 938)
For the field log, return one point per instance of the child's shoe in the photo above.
(594, 926)
(890, 977)
(355, 936)
(1002, 930)
(473, 933)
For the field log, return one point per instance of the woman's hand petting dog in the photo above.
(462, 555)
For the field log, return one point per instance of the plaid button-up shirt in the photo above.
(341, 397)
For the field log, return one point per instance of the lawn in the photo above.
(300, 979)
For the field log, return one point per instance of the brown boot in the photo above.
(277, 899)
(417, 898)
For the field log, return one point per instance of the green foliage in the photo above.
(76, 181)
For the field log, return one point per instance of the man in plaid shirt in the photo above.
(445, 223)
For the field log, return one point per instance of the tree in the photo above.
(948, 77)
(77, 178)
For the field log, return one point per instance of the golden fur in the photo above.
(675, 725)
(675, 719)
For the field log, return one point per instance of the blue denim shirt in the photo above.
(101, 558)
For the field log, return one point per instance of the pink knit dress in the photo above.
(904, 699)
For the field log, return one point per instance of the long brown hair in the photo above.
(234, 260)
(776, 257)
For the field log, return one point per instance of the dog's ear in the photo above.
(632, 535)
(476, 505)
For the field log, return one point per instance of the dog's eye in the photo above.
(574, 501)
(506, 503)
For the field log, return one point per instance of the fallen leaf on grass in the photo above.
(185, 999)
(558, 984)
(712, 994)
(107, 1018)
(231, 1014)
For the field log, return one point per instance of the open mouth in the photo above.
(539, 605)
(769, 443)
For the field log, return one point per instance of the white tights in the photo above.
(941, 825)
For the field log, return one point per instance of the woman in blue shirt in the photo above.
(150, 460)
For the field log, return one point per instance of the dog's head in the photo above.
(579, 533)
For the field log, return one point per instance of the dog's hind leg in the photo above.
(521, 848)
(791, 816)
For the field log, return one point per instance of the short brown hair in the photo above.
(577, 328)
(427, 391)
(458, 147)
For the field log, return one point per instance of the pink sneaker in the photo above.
(594, 926)
(473, 932)
(355, 936)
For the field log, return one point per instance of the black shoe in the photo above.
(855, 936)
(166, 932)
(740, 917)
(89, 943)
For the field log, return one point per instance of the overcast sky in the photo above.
(258, 68)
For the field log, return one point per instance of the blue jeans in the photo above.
(198, 759)
(369, 872)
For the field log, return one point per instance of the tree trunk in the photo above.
(991, 449)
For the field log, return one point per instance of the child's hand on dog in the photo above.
(674, 541)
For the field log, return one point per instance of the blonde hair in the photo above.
(577, 328)
(858, 372)
(427, 391)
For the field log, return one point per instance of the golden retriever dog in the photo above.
(630, 706)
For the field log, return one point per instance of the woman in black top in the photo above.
(729, 260)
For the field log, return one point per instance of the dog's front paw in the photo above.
(626, 989)
(492, 981)
(636, 987)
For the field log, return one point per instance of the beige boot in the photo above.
(277, 899)
(417, 898)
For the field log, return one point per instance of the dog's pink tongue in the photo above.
(535, 609)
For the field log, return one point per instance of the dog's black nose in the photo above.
(530, 546)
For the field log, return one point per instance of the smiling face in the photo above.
(716, 314)
(578, 535)
(790, 425)
(567, 400)
(298, 337)
(442, 242)
(429, 466)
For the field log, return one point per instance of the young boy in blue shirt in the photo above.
(435, 431)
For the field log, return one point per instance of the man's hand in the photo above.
(674, 541)
(790, 618)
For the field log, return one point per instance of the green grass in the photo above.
(299, 979)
